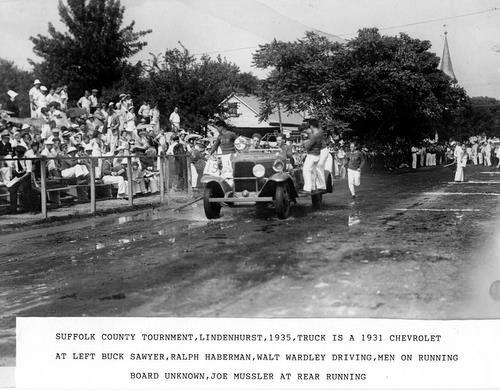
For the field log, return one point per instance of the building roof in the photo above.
(254, 103)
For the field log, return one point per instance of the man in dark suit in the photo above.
(12, 106)
(22, 182)
(5, 146)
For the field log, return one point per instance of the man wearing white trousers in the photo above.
(354, 166)
(313, 174)
(73, 168)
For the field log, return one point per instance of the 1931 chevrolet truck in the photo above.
(260, 177)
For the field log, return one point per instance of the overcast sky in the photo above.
(215, 26)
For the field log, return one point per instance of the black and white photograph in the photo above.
(249, 159)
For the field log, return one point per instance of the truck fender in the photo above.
(279, 177)
(218, 182)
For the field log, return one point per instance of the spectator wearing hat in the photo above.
(66, 138)
(85, 102)
(5, 151)
(16, 138)
(33, 97)
(50, 153)
(5, 145)
(73, 168)
(94, 101)
(12, 106)
(21, 182)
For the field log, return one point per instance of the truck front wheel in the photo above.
(212, 210)
(282, 200)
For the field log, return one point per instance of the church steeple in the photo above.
(445, 65)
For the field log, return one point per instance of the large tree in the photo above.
(178, 79)
(93, 51)
(381, 87)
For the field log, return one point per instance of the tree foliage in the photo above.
(481, 115)
(18, 80)
(178, 79)
(379, 86)
(92, 52)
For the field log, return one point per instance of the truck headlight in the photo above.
(258, 170)
(278, 166)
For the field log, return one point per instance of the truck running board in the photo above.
(241, 200)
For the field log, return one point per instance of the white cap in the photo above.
(12, 93)
(71, 149)
(36, 82)
(49, 141)
(25, 126)
(43, 88)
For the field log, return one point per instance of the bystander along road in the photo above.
(413, 245)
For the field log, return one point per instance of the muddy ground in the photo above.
(412, 245)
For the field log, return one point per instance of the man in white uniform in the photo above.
(175, 120)
(33, 94)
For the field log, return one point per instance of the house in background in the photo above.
(242, 114)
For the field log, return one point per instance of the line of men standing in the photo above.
(40, 97)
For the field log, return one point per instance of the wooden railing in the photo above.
(164, 175)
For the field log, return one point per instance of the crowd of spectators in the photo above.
(65, 135)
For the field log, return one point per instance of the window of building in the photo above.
(232, 109)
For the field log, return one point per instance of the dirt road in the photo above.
(411, 246)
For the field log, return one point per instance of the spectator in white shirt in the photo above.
(51, 96)
(94, 102)
(155, 118)
(175, 120)
(63, 97)
(33, 95)
(48, 151)
(130, 121)
(145, 112)
(41, 100)
(84, 102)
